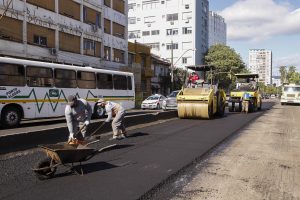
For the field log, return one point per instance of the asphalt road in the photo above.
(133, 170)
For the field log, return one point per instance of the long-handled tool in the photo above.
(97, 129)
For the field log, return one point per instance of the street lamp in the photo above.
(172, 64)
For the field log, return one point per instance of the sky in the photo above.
(263, 24)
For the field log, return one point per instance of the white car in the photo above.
(153, 102)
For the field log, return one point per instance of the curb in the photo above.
(28, 140)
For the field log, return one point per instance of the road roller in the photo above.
(201, 98)
(246, 90)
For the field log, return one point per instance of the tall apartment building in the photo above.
(260, 62)
(217, 32)
(80, 32)
(161, 23)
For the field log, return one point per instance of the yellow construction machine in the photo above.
(245, 84)
(201, 98)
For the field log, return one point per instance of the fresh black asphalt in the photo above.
(140, 163)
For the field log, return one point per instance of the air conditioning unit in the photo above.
(187, 6)
(172, 23)
(187, 21)
(149, 25)
(53, 51)
(94, 28)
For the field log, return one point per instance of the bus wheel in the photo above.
(10, 117)
(99, 112)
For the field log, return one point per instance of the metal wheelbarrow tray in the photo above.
(64, 154)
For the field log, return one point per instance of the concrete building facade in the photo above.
(176, 29)
(217, 32)
(80, 32)
(260, 62)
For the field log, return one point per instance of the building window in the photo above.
(119, 5)
(155, 32)
(70, 9)
(150, 19)
(169, 46)
(172, 17)
(173, 31)
(89, 47)
(107, 3)
(132, 20)
(106, 53)
(146, 33)
(154, 46)
(107, 26)
(187, 15)
(39, 40)
(184, 60)
(49, 4)
(134, 34)
(118, 30)
(131, 6)
(187, 30)
(187, 45)
(118, 56)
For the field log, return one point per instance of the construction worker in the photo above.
(245, 102)
(118, 112)
(78, 114)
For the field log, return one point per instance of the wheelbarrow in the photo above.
(66, 155)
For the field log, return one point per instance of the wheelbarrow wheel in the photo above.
(44, 169)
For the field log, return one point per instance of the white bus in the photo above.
(31, 89)
(290, 94)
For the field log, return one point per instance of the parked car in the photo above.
(170, 102)
(153, 102)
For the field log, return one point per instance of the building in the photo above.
(79, 32)
(139, 62)
(276, 81)
(260, 62)
(217, 32)
(161, 80)
(177, 29)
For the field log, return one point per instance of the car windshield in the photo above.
(173, 94)
(292, 89)
(153, 98)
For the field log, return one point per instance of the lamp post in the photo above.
(173, 64)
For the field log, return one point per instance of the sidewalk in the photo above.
(261, 162)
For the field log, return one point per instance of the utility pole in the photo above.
(172, 67)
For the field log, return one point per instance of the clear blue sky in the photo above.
(263, 24)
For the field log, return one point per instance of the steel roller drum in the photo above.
(193, 110)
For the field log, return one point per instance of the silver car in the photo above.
(170, 103)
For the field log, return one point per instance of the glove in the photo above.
(86, 122)
(71, 137)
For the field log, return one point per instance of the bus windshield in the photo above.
(292, 89)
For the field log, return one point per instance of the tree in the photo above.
(283, 73)
(179, 78)
(227, 63)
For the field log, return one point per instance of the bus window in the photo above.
(65, 78)
(39, 76)
(104, 81)
(129, 83)
(12, 75)
(120, 82)
(86, 80)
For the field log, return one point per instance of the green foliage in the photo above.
(180, 76)
(227, 63)
(290, 75)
